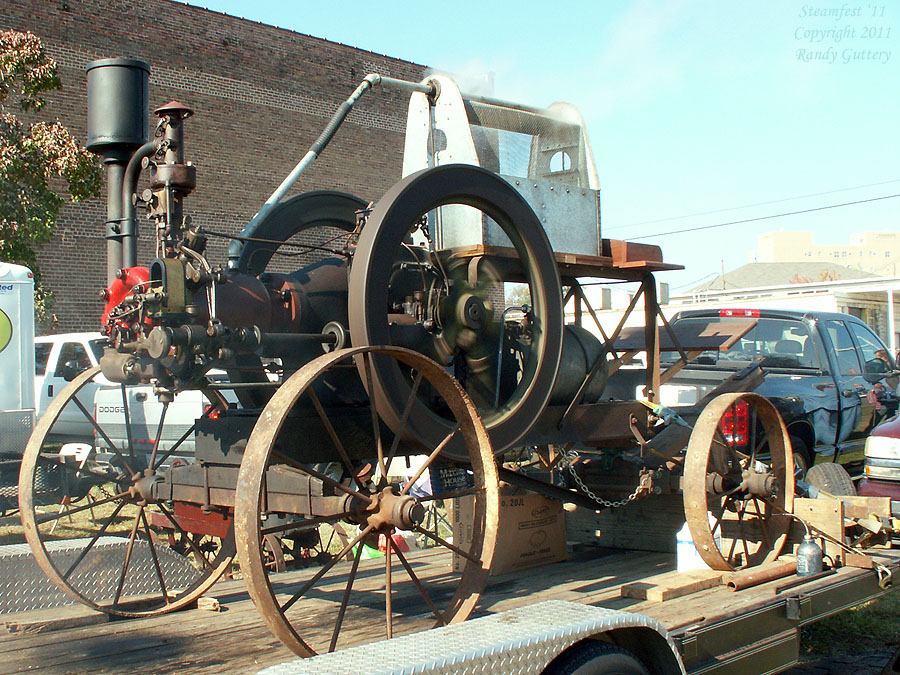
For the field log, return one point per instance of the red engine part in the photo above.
(126, 282)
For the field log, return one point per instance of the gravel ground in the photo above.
(862, 664)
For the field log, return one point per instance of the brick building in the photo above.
(260, 96)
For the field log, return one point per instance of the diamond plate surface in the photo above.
(15, 428)
(517, 642)
(24, 586)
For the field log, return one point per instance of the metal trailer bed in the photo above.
(716, 630)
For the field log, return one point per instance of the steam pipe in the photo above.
(370, 81)
(129, 218)
(115, 167)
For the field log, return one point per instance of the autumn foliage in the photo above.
(41, 163)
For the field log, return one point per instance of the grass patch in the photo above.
(867, 628)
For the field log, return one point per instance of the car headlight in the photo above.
(882, 447)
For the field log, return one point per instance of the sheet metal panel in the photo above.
(519, 641)
(24, 586)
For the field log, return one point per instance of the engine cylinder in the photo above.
(580, 350)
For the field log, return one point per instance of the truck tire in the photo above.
(593, 657)
(801, 457)
(832, 478)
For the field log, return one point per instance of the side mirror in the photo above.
(70, 370)
(877, 366)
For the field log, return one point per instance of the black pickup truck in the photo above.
(830, 376)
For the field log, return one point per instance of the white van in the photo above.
(16, 358)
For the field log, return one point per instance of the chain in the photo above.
(571, 455)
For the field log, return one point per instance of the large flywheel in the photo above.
(332, 213)
(378, 293)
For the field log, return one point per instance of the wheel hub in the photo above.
(389, 510)
(142, 488)
(763, 485)
(471, 311)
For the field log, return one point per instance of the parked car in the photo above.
(828, 374)
(882, 468)
(58, 359)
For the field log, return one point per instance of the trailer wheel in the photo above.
(89, 527)
(832, 478)
(738, 507)
(593, 657)
(386, 592)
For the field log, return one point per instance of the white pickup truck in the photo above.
(136, 411)
(60, 358)
(57, 360)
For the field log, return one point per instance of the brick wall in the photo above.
(260, 95)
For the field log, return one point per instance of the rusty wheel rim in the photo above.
(354, 598)
(738, 486)
(114, 588)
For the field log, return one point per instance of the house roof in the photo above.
(753, 275)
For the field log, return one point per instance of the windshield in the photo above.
(97, 348)
(780, 343)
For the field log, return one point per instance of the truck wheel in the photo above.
(832, 478)
(801, 457)
(596, 658)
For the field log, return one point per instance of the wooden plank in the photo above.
(863, 507)
(571, 265)
(672, 585)
(825, 515)
(42, 621)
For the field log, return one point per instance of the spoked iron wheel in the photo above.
(317, 613)
(461, 325)
(738, 482)
(89, 525)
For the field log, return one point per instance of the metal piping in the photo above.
(115, 168)
(369, 81)
(129, 218)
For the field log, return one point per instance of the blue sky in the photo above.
(693, 108)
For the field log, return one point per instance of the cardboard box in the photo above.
(532, 531)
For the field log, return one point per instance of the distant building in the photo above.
(761, 274)
(876, 252)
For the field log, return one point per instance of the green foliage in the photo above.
(34, 157)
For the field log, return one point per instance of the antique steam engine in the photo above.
(429, 327)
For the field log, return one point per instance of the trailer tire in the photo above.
(832, 478)
(593, 657)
